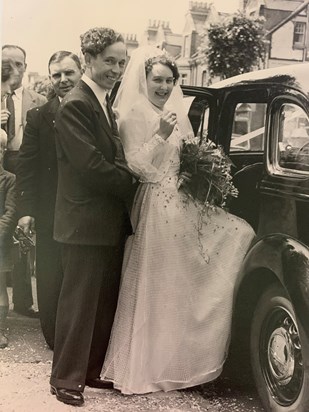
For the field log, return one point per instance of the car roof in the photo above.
(296, 76)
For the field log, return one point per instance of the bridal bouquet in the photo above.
(205, 173)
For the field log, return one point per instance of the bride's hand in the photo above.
(167, 123)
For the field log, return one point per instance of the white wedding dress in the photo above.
(173, 320)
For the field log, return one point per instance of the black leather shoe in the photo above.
(68, 396)
(29, 312)
(99, 383)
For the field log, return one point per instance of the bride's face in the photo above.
(160, 83)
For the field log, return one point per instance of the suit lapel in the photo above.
(98, 109)
(28, 101)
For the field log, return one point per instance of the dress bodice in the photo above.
(148, 155)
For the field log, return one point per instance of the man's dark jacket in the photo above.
(36, 190)
(37, 167)
(94, 184)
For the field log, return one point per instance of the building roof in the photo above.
(285, 5)
(175, 39)
(299, 11)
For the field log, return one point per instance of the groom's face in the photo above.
(107, 67)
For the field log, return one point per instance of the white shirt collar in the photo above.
(97, 90)
(19, 92)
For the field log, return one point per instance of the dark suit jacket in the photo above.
(37, 167)
(30, 99)
(7, 218)
(92, 189)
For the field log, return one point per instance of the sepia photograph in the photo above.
(154, 206)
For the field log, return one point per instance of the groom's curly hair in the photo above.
(95, 40)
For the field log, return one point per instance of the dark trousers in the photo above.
(85, 315)
(10, 161)
(21, 274)
(49, 276)
(21, 281)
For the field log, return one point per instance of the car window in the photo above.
(293, 138)
(198, 111)
(248, 127)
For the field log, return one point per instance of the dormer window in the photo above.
(299, 34)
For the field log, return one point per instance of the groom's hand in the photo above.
(121, 164)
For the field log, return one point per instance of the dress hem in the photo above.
(167, 386)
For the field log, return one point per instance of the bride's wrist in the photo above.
(159, 138)
(162, 136)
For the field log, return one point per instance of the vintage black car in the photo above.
(262, 120)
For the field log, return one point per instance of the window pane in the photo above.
(248, 127)
(198, 112)
(184, 78)
(293, 138)
(299, 32)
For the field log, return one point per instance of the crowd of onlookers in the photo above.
(28, 183)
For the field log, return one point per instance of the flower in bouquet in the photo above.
(205, 173)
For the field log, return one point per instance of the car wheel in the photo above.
(279, 354)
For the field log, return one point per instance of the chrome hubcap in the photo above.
(280, 355)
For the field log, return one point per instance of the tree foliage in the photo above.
(233, 46)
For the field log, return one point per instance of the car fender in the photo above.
(288, 260)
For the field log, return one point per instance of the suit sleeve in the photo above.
(76, 139)
(8, 219)
(27, 166)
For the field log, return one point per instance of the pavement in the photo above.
(24, 383)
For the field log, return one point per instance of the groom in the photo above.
(91, 220)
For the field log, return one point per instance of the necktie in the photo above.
(11, 120)
(111, 116)
(120, 157)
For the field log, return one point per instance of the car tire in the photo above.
(279, 354)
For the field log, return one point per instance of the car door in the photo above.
(241, 131)
(235, 119)
(241, 125)
(284, 188)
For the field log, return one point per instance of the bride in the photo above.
(173, 319)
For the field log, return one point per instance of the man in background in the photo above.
(37, 187)
(13, 120)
